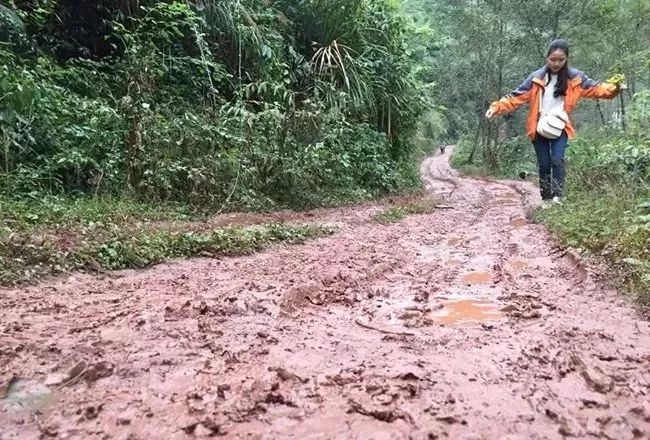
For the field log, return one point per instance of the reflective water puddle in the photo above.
(27, 395)
(466, 311)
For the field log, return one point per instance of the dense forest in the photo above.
(247, 103)
(158, 110)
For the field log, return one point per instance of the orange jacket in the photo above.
(580, 86)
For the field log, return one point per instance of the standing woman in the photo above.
(552, 93)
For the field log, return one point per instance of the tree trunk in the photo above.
(622, 102)
(133, 145)
(487, 138)
(390, 136)
(600, 111)
(6, 144)
(556, 24)
(470, 159)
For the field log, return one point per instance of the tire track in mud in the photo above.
(464, 323)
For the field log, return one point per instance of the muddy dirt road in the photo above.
(466, 323)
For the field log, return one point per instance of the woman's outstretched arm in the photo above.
(593, 89)
(513, 100)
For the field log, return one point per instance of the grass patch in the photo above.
(402, 210)
(391, 215)
(607, 210)
(613, 223)
(47, 237)
(54, 211)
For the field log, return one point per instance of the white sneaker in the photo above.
(557, 200)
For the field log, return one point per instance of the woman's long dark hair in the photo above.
(563, 74)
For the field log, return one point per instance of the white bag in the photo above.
(551, 125)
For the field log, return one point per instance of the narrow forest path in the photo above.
(361, 335)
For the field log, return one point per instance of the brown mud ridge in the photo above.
(466, 323)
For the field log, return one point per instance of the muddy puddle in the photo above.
(453, 241)
(27, 395)
(466, 311)
(518, 222)
(518, 264)
(461, 241)
(477, 278)
(398, 315)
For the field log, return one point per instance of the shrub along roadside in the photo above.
(413, 204)
(612, 223)
(87, 235)
(607, 209)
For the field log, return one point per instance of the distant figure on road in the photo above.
(442, 148)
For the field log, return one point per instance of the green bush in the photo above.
(218, 107)
(610, 221)
(607, 210)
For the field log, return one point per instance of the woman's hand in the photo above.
(489, 114)
(622, 87)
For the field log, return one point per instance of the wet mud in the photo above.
(465, 323)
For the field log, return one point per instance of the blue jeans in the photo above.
(550, 158)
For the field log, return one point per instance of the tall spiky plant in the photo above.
(340, 70)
